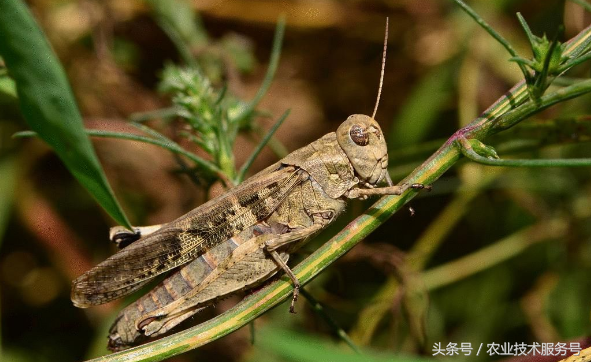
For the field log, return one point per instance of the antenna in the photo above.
(382, 73)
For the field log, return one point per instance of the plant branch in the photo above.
(469, 152)
(274, 144)
(566, 66)
(169, 112)
(260, 146)
(319, 309)
(494, 34)
(493, 254)
(528, 109)
(273, 63)
(166, 144)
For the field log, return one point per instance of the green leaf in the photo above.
(543, 50)
(47, 102)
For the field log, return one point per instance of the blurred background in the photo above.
(492, 254)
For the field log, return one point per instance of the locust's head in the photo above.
(361, 138)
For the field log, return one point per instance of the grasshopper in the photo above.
(240, 239)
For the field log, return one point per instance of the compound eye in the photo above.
(359, 135)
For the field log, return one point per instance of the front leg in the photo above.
(359, 193)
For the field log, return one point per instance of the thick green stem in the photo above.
(515, 116)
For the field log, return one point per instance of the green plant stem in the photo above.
(274, 144)
(576, 61)
(185, 169)
(493, 254)
(168, 145)
(258, 303)
(260, 146)
(171, 145)
(489, 123)
(540, 133)
(319, 309)
(469, 152)
(541, 83)
(566, 81)
(493, 33)
(182, 47)
(430, 240)
(515, 116)
(169, 112)
(271, 69)
(178, 20)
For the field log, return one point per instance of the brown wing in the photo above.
(184, 239)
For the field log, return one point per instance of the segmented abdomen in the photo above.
(124, 333)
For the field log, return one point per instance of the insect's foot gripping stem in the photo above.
(294, 299)
(291, 275)
(420, 187)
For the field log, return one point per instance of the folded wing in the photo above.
(186, 238)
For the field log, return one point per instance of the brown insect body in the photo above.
(211, 273)
(240, 239)
(324, 173)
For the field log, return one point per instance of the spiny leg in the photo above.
(150, 323)
(411, 210)
(271, 246)
(291, 275)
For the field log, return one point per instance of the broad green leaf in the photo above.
(47, 102)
